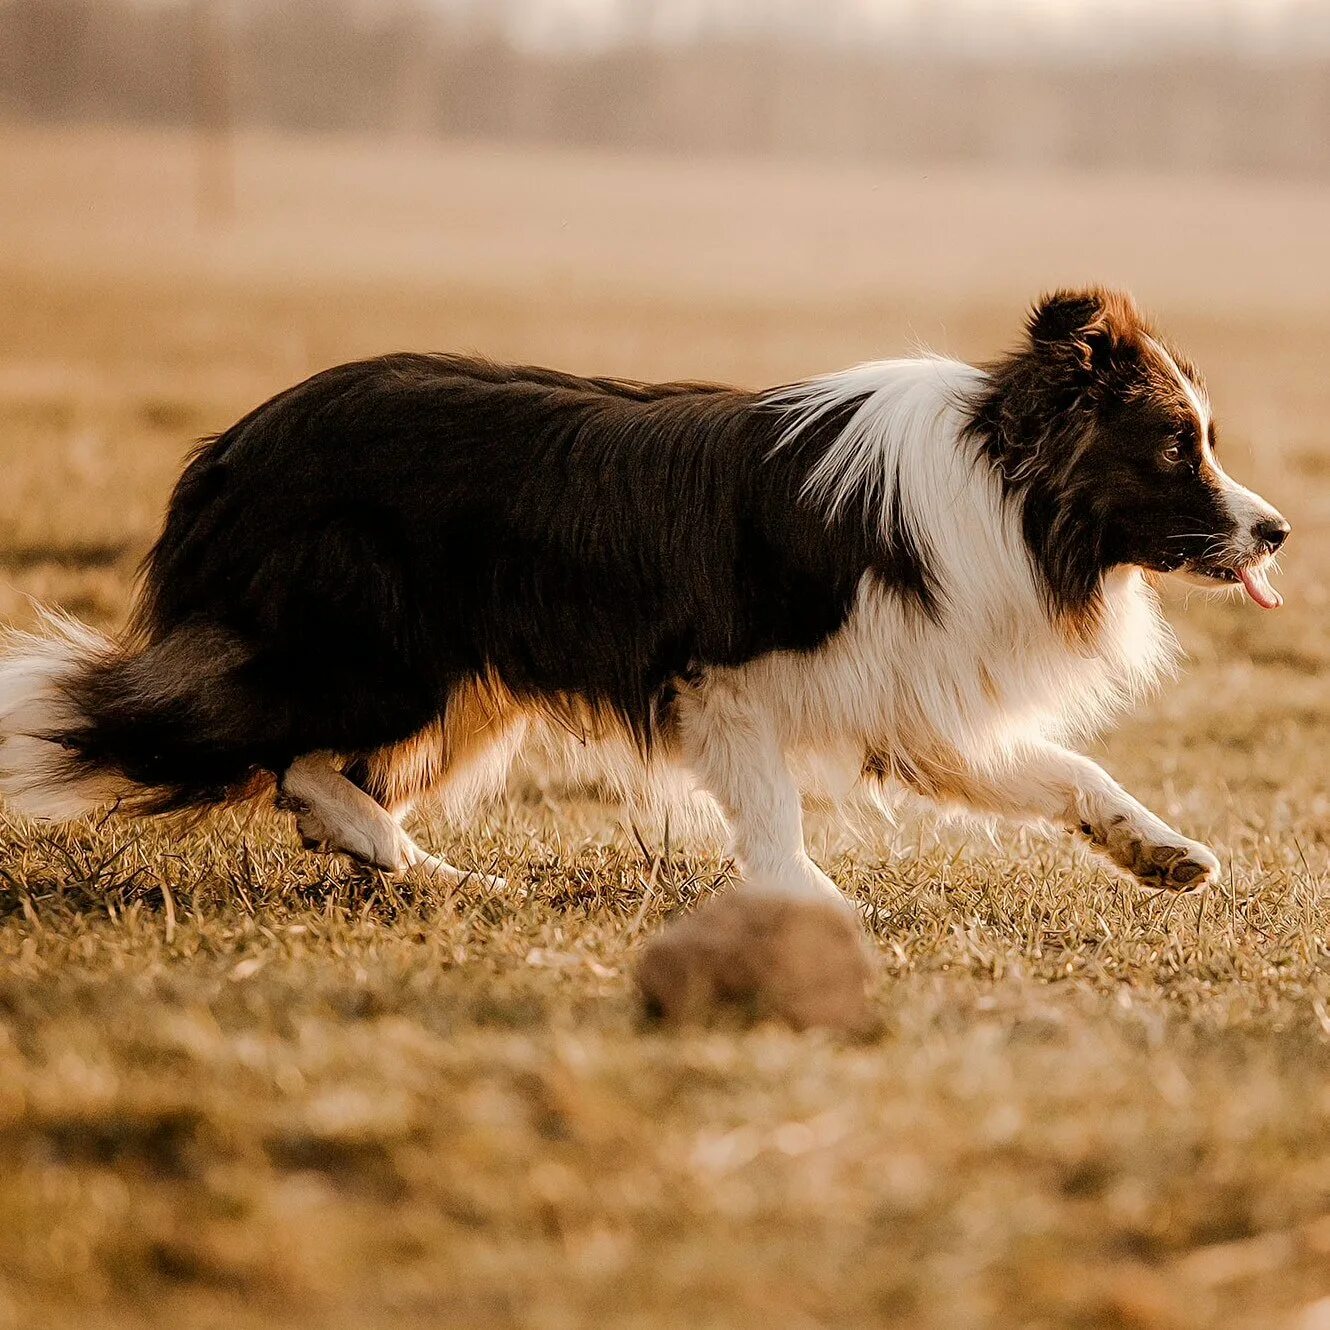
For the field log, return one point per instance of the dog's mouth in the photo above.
(1253, 578)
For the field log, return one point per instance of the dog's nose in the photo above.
(1271, 532)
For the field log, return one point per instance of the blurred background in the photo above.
(1167, 84)
(203, 200)
(893, 148)
(848, 142)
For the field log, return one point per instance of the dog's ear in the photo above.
(1086, 329)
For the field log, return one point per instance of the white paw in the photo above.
(1186, 866)
(1163, 863)
(360, 843)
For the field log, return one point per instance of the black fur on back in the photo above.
(337, 562)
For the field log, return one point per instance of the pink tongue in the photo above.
(1257, 585)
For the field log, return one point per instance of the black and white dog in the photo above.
(934, 574)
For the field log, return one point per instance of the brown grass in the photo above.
(243, 1086)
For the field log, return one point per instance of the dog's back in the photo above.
(401, 537)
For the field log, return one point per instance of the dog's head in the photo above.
(1108, 434)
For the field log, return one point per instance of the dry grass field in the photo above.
(244, 1086)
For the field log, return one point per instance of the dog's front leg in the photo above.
(783, 941)
(1062, 787)
(731, 745)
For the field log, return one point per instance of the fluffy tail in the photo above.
(87, 723)
(40, 774)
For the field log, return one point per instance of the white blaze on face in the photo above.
(1200, 404)
(1244, 508)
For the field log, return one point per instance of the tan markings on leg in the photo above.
(935, 770)
(478, 715)
(337, 816)
(1047, 782)
(1136, 841)
(396, 775)
(459, 756)
(582, 721)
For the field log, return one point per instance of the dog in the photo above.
(369, 588)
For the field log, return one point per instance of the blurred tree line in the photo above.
(409, 67)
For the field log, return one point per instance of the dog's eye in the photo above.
(1171, 454)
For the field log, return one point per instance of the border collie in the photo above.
(368, 587)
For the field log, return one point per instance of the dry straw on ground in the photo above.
(241, 1085)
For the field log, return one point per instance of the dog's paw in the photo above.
(1183, 867)
(802, 961)
(346, 838)
(1162, 865)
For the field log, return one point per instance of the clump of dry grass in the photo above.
(243, 1085)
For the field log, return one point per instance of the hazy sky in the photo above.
(1255, 25)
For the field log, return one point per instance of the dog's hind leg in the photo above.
(334, 814)
(455, 761)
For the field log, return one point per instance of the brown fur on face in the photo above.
(1101, 435)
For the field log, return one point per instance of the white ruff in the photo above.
(988, 687)
(996, 672)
